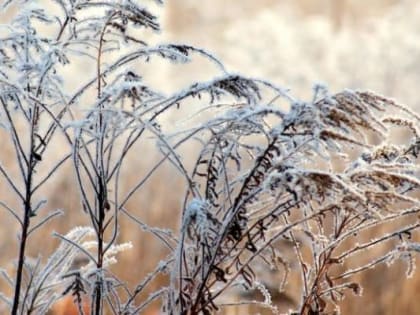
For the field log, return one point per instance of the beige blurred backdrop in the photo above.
(370, 44)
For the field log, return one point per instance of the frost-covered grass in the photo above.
(262, 187)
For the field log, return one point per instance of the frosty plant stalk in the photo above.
(308, 188)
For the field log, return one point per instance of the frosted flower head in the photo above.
(196, 214)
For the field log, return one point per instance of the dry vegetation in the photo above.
(295, 46)
(347, 43)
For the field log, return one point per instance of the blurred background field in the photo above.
(373, 45)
